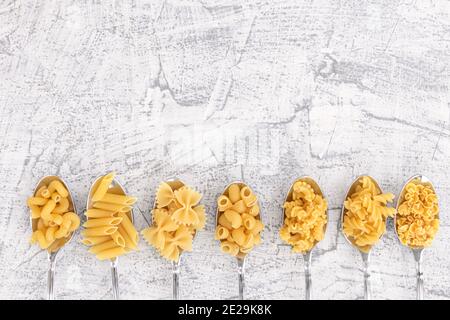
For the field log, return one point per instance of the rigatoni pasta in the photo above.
(239, 224)
(108, 229)
(53, 223)
(176, 218)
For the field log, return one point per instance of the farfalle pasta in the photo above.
(305, 218)
(53, 219)
(109, 230)
(417, 219)
(365, 214)
(239, 224)
(177, 216)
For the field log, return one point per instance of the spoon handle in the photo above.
(176, 280)
(420, 287)
(308, 280)
(241, 272)
(367, 284)
(51, 277)
(115, 279)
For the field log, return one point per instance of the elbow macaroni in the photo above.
(176, 218)
(365, 214)
(305, 218)
(108, 230)
(417, 222)
(239, 225)
(54, 223)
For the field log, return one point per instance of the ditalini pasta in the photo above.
(305, 218)
(176, 217)
(239, 224)
(365, 214)
(108, 230)
(53, 221)
(417, 222)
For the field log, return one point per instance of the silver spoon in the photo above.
(175, 183)
(241, 256)
(417, 251)
(306, 256)
(52, 255)
(365, 255)
(118, 189)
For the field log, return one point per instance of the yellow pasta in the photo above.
(109, 230)
(103, 187)
(98, 213)
(56, 185)
(239, 224)
(118, 199)
(417, 219)
(366, 213)
(176, 218)
(92, 223)
(54, 223)
(305, 218)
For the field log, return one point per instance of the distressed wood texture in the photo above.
(212, 91)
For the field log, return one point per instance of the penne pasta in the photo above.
(118, 199)
(90, 241)
(92, 223)
(98, 213)
(118, 239)
(103, 246)
(129, 227)
(128, 242)
(111, 253)
(111, 207)
(103, 187)
(99, 231)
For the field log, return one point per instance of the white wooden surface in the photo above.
(211, 91)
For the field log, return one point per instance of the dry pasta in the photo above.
(239, 224)
(108, 230)
(54, 224)
(417, 218)
(365, 214)
(305, 218)
(176, 218)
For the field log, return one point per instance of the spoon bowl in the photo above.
(175, 183)
(241, 256)
(307, 255)
(115, 188)
(416, 250)
(53, 251)
(365, 255)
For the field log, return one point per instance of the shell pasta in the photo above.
(176, 218)
(53, 222)
(108, 230)
(239, 224)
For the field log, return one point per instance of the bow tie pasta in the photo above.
(239, 224)
(305, 218)
(417, 222)
(53, 219)
(365, 214)
(108, 230)
(177, 216)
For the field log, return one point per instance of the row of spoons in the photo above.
(417, 251)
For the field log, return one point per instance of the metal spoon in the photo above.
(52, 255)
(306, 256)
(241, 256)
(417, 251)
(175, 183)
(365, 255)
(116, 188)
